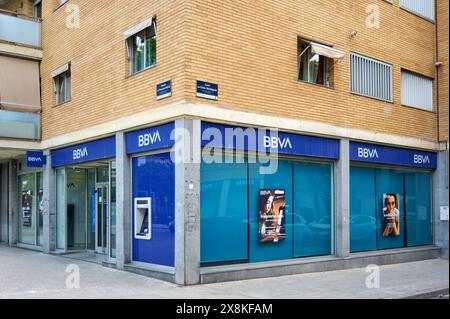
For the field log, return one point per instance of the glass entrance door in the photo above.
(102, 218)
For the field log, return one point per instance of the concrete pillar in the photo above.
(187, 202)
(13, 200)
(49, 184)
(123, 198)
(441, 199)
(342, 186)
(4, 203)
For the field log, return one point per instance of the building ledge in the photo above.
(315, 264)
(20, 51)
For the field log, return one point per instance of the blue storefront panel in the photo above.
(419, 221)
(368, 187)
(313, 209)
(281, 180)
(224, 212)
(363, 221)
(154, 177)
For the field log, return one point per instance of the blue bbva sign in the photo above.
(370, 153)
(249, 139)
(207, 90)
(87, 152)
(150, 139)
(36, 159)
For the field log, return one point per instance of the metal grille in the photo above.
(423, 8)
(370, 77)
(417, 91)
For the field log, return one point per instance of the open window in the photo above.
(316, 62)
(141, 45)
(62, 83)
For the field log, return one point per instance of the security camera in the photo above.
(353, 33)
(438, 64)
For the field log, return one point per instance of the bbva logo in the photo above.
(149, 139)
(33, 159)
(80, 153)
(367, 153)
(421, 159)
(276, 142)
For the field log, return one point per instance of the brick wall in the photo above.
(248, 47)
(101, 88)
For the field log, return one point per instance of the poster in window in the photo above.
(27, 202)
(272, 215)
(391, 215)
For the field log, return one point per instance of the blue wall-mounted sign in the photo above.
(87, 152)
(150, 139)
(223, 136)
(208, 90)
(163, 90)
(369, 153)
(36, 159)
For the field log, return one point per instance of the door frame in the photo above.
(100, 249)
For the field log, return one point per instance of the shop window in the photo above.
(142, 49)
(224, 212)
(389, 209)
(27, 216)
(247, 216)
(363, 223)
(418, 215)
(271, 249)
(31, 219)
(313, 209)
(61, 209)
(76, 209)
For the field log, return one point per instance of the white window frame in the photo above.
(130, 39)
(66, 77)
(327, 68)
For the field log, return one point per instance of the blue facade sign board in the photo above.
(207, 90)
(150, 139)
(223, 136)
(36, 159)
(370, 153)
(163, 90)
(87, 152)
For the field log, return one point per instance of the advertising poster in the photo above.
(27, 202)
(391, 215)
(272, 215)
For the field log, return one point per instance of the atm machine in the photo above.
(143, 218)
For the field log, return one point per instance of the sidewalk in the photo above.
(26, 274)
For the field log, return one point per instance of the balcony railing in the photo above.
(20, 29)
(20, 125)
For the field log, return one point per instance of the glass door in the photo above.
(102, 218)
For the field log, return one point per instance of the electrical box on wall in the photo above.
(143, 218)
(444, 213)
